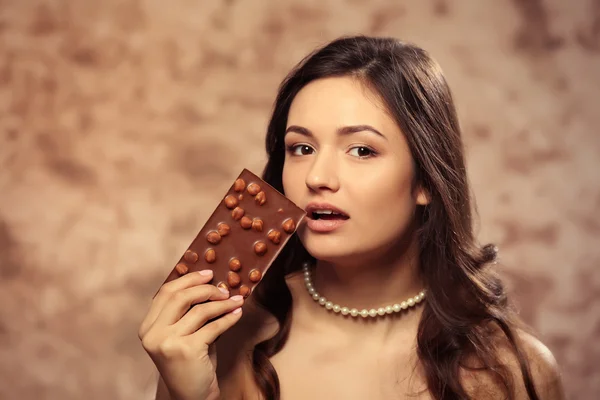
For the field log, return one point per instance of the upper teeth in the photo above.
(324, 212)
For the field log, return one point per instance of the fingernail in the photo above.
(224, 290)
(206, 272)
(237, 298)
(237, 311)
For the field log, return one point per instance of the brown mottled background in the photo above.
(122, 122)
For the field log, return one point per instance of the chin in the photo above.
(347, 250)
(335, 250)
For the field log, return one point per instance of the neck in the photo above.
(373, 285)
(366, 284)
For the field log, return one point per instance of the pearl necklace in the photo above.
(373, 312)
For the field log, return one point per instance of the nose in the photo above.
(322, 174)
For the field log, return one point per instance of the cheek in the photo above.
(386, 208)
(292, 180)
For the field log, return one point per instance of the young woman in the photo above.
(384, 293)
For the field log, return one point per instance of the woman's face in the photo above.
(346, 155)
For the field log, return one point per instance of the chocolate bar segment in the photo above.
(243, 236)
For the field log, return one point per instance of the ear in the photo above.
(422, 196)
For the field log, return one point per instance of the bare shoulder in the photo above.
(544, 370)
(234, 351)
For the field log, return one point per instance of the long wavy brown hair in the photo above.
(465, 296)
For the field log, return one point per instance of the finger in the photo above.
(180, 302)
(184, 282)
(202, 313)
(211, 331)
(167, 290)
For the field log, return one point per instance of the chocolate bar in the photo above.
(243, 236)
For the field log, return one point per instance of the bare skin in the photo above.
(369, 261)
(180, 341)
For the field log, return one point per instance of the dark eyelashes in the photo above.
(291, 149)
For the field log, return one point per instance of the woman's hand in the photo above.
(177, 333)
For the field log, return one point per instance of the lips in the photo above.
(325, 217)
(327, 214)
(325, 209)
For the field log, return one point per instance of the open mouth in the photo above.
(328, 215)
(324, 218)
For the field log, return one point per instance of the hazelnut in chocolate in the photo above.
(243, 236)
(213, 237)
(237, 213)
(253, 189)
(190, 257)
(261, 198)
(235, 264)
(260, 248)
(289, 225)
(257, 224)
(233, 279)
(210, 256)
(223, 229)
(246, 222)
(231, 201)
(239, 185)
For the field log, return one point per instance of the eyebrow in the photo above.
(345, 130)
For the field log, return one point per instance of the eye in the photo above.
(300, 150)
(362, 152)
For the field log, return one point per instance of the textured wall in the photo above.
(123, 121)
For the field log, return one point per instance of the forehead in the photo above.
(329, 103)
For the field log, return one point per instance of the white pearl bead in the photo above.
(381, 311)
